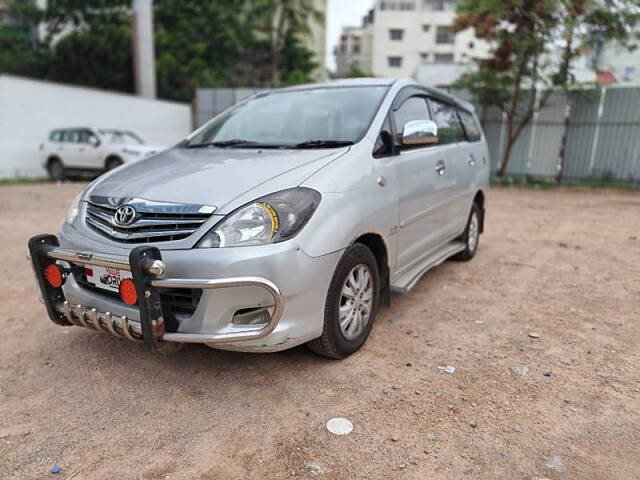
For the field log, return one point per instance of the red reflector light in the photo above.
(88, 271)
(53, 275)
(128, 292)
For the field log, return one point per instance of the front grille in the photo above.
(175, 223)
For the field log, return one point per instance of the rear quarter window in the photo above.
(471, 127)
(55, 136)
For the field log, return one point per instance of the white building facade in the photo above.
(403, 34)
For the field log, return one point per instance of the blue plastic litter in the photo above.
(547, 374)
(55, 469)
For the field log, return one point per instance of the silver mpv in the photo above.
(287, 219)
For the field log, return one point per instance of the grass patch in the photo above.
(22, 181)
(545, 184)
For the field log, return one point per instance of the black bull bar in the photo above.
(147, 268)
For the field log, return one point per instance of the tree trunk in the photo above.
(506, 156)
(564, 79)
(278, 41)
(563, 142)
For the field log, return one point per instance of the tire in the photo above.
(339, 341)
(55, 169)
(475, 216)
(112, 162)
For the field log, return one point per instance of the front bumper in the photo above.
(147, 268)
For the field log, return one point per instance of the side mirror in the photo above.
(420, 132)
(94, 141)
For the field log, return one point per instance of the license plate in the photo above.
(106, 278)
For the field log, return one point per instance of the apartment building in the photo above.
(403, 34)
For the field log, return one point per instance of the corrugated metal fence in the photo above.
(603, 138)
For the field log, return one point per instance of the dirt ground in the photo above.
(562, 266)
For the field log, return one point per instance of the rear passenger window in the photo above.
(413, 108)
(471, 127)
(449, 126)
(73, 136)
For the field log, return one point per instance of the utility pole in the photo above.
(144, 61)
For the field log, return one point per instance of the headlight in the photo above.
(74, 209)
(270, 219)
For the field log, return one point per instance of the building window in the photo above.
(397, 5)
(441, 5)
(426, 28)
(395, 62)
(396, 33)
(443, 57)
(444, 35)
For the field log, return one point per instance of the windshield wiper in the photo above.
(235, 142)
(223, 143)
(323, 144)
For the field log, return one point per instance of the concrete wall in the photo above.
(29, 109)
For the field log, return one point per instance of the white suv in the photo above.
(91, 150)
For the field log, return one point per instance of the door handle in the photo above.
(440, 167)
(472, 160)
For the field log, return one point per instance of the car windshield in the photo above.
(123, 137)
(309, 118)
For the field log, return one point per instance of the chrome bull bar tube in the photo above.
(87, 258)
(252, 334)
(147, 268)
(118, 326)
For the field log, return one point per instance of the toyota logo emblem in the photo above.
(124, 216)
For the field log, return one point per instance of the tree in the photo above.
(198, 43)
(520, 33)
(534, 44)
(280, 22)
(20, 52)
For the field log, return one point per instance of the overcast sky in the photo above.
(341, 13)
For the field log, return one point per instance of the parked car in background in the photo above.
(287, 219)
(91, 150)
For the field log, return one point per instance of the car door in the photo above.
(71, 149)
(88, 154)
(455, 152)
(420, 192)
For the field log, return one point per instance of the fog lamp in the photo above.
(251, 316)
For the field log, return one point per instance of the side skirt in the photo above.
(407, 280)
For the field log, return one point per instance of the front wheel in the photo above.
(55, 168)
(471, 235)
(351, 304)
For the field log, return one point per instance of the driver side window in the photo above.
(413, 108)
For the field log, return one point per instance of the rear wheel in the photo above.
(471, 235)
(55, 168)
(351, 304)
(112, 162)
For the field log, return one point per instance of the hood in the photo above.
(212, 176)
